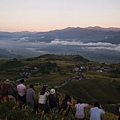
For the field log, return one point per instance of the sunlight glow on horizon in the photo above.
(46, 15)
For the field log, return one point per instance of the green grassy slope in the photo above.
(103, 90)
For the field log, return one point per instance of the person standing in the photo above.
(30, 96)
(12, 92)
(52, 100)
(96, 112)
(119, 111)
(0, 90)
(79, 106)
(42, 100)
(21, 89)
(66, 104)
(5, 88)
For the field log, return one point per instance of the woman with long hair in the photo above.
(42, 100)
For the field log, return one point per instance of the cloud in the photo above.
(55, 42)
(90, 45)
(29, 45)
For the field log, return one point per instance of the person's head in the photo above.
(7, 81)
(43, 88)
(31, 85)
(96, 104)
(67, 97)
(78, 101)
(22, 81)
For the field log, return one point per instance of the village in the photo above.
(79, 72)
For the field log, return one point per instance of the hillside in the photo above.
(71, 74)
(93, 80)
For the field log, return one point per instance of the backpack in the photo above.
(12, 91)
(64, 104)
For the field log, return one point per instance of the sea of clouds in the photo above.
(24, 44)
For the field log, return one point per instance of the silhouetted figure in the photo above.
(66, 105)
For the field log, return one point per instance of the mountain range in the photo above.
(103, 43)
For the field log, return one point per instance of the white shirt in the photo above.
(42, 98)
(80, 110)
(95, 113)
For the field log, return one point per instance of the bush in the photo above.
(5, 107)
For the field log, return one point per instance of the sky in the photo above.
(46, 15)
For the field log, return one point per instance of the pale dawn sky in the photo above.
(45, 15)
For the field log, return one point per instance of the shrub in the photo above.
(5, 107)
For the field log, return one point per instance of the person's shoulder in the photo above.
(77, 105)
(18, 85)
(102, 110)
(23, 86)
(93, 108)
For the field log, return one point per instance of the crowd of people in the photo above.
(48, 101)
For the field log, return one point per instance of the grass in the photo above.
(100, 89)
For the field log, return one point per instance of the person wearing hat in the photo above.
(52, 99)
(7, 81)
(5, 88)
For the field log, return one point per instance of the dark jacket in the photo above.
(12, 91)
(52, 101)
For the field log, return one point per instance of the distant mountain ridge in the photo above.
(89, 34)
(104, 29)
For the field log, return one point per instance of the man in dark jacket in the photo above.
(52, 99)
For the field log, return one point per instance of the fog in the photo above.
(99, 50)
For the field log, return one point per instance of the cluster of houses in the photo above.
(27, 72)
(78, 73)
